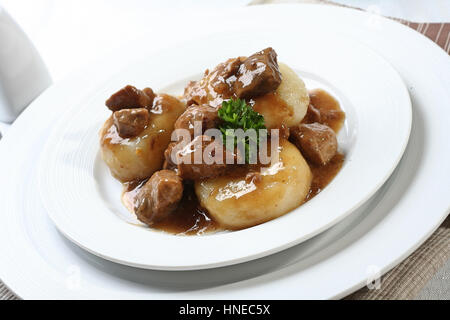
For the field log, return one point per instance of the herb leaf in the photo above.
(237, 114)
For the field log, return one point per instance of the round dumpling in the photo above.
(139, 157)
(240, 202)
(288, 105)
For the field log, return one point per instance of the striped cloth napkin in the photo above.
(438, 32)
(407, 279)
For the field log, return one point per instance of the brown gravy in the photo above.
(330, 111)
(191, 219)
(322, 175)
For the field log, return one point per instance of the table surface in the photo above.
(76, 27)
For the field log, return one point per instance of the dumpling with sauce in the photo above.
(133, 140)
(288, 104)
(247, 200)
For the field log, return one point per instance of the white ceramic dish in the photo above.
(37, 262)
(88, 209)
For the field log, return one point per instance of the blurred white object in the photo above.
(72, 33)
(3, 128)
(23, 75)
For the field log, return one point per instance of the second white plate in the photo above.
(79, 193)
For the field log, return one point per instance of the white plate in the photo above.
(37, 262)
(83, 199)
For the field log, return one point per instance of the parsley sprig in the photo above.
(237, 114)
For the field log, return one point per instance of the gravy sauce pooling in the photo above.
(191, 219)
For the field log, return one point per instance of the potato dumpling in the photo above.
(288, 105)
(237, 202)
(140, 156)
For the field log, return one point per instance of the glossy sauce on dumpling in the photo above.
(138, 157)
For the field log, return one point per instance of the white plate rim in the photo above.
(258, 244)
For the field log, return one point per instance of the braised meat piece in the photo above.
(229, 68)
(131, 122)
(202, 158)
(258, 75)
(215, 86)
(191, 93)
(328, 107)
(129, 97)
(170, 158)
(316, 141)
(158, 197)
(312, 115)
(204, 114)
(149, 92)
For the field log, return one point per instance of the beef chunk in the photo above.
(316, 141)
(149, 92)
(129, 97)
(312, 115)
(206, 115)
(207, 164)
(284, 132)
(215, 86)
(229, 68)
(130, 122)
(158, 197)
(221, 79)
(258, 74)
(170, 163)
(191, 93)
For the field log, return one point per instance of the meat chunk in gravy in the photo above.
(215, 86)
(316, 141)
(191, 94)
(131, 122)
(205, 115)
(258, 74)
(200, 159)
(170, 162)
(158, 197)
(130, 97)
(312, 115)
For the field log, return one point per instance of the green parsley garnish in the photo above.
(237, 114)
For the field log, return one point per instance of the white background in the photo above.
(71, 33)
